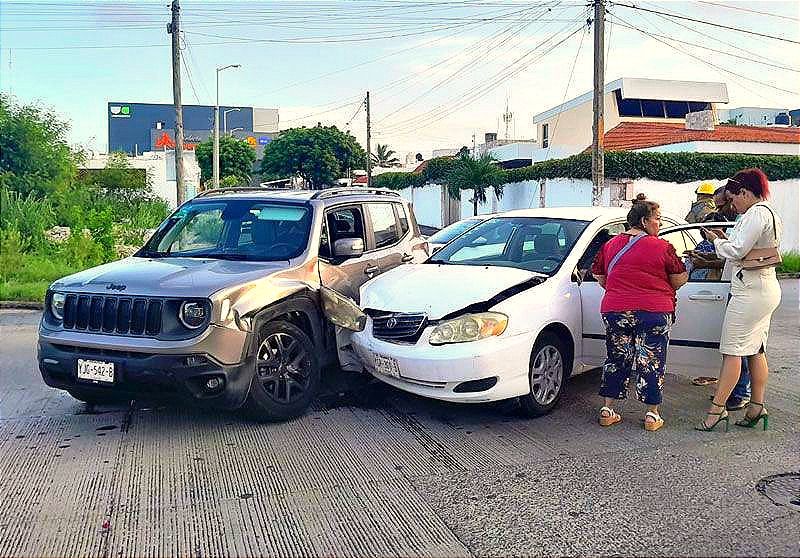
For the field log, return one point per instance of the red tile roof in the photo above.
(360, 179)
(629, 136)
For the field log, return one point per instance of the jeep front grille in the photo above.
(397, 327)
(113, 314)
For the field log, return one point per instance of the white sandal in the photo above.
(654, 424)
(609, 417)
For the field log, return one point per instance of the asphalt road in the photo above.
(375, 472)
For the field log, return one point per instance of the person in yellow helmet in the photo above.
(704, 203)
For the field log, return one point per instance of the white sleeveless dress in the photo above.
(755, 294)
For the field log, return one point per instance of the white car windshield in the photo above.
(537, 244)
(232, 229)
(451, 231)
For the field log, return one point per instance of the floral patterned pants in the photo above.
(636, 344)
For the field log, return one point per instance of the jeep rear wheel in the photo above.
(286, 377)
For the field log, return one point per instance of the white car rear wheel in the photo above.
(547, 375)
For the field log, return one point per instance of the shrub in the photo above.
(791, 263)
(28, 215)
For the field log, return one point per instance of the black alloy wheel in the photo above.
(286, 375)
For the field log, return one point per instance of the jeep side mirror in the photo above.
(348, 247)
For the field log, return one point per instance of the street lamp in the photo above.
(236, 130)
(225, 119)
(216, 125)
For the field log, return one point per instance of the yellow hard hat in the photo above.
(706, 188)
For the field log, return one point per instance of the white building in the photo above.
(756, 116)
(651, 115)
(160, 169)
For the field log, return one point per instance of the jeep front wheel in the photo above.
(287, 373)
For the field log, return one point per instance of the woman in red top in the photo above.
(640, 273)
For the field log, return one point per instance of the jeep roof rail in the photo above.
(330, 192)
(235, 189)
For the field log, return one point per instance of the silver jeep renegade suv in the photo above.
(223, 304)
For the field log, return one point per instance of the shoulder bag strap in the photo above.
(631, 243)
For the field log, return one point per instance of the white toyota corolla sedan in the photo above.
(510, 309)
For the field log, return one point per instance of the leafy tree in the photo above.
(34, 155)
(319, 155)
(236, 158)
(119, 180)
(476, 175)
(384, 157)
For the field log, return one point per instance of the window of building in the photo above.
(652, 108)
(676, 109)
(545, 135)
(697, 107)
(628, 107)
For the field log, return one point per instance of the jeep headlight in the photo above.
(469, 327)
(342, 311)
(57, 301)
(193, 314)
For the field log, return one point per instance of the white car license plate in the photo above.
(96, 370)
(386, 365)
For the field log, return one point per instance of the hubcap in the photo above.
(547, 373)
(283, 368)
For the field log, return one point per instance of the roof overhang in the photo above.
(644, 88)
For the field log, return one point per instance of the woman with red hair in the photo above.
(752, 253)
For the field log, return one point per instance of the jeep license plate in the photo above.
(387, 365)
(96, 371)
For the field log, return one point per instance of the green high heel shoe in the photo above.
(752, 422)
(722, 417)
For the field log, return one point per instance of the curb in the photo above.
(21, 305)
(795, 275)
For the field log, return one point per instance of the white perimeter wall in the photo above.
(675, 199)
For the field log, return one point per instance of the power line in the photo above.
(566, 91)
(726, 53)
(677, 16)
(719, 68)
(750, 10)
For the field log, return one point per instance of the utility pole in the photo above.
(174, 28)
(369, 150)
(598, 125)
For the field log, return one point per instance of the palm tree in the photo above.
(476, 175)
(384, 157)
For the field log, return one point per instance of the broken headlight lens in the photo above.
(342, 311)
(470, 327)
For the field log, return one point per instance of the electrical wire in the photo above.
(728, 27)
(706, 62)
(749, 10)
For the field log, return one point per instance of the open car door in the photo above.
(701, 303)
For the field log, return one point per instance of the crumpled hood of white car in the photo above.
(438, 290)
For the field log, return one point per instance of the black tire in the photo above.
(93, 397)
(546, 383)
(286, 373)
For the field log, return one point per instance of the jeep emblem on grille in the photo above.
(115, 287)
(391, 323)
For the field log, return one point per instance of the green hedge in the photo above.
(665, 167)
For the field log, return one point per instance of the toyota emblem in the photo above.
(391, 323)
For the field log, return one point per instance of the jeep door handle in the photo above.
(706, 296)
(371, 270)
(407, 258)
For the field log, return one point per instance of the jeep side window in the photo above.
(402, 218)
(384, 224)
(346, 222)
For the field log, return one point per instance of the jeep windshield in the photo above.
(232, 229)
(536, 244)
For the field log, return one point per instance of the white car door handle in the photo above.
(707, 296)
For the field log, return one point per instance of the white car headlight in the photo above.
(57, 305)
(342, 311)
(470, 327)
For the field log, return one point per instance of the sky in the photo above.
(437, 71)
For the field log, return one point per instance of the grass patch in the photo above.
(791, 263)
(30, 275)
